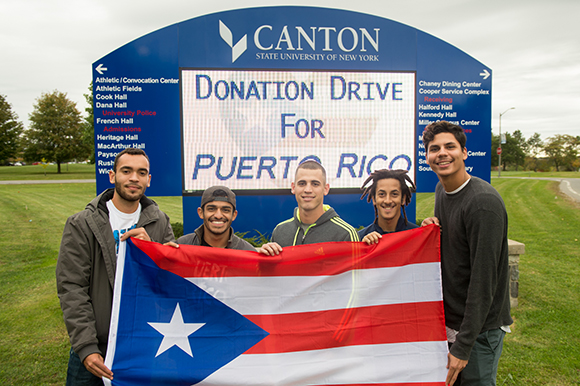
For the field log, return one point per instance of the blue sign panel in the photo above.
(240, 98)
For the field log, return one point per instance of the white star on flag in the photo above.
(176, 332)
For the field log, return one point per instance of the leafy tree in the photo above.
(10, 130)
(563, 150)
(512, 152)
(519, 144)
(88, 125)
(576, 162)
(55, 130)
(534, 145)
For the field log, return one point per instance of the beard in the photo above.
(125, 196)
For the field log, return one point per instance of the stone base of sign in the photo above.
(515, 250)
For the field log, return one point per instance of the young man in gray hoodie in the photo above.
(313, 222)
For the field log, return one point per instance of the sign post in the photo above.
(240, 98)
(502, 141)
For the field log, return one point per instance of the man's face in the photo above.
(132, 177)
(217, 216)
(309, 189)
(445, 155)
(388, 199)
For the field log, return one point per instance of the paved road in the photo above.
(568, 186)
(571, 186)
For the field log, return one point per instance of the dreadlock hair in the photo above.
(400, 175)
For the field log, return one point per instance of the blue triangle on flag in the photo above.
(150, 294)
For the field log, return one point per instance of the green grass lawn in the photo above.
(37, 172)
(544, 348)
(86, 171)
(537, 174)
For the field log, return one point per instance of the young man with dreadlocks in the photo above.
(389, 193)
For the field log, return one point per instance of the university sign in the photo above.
(265, 37)
(240, 98)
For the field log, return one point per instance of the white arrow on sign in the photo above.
(485, 74)
(100, 69)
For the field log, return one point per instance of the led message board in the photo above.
(268, 122)
(239, 98)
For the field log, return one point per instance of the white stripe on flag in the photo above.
(386, 363)
(369, 287)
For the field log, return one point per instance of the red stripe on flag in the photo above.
(420, 245)
(398, 323)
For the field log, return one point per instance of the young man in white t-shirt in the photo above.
(131, 178)
(92, 241)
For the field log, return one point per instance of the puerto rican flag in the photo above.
(321, 314)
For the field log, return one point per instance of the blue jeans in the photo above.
(481, 369)
(78, 375)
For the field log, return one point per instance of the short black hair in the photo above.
(312, 165)
(400, 175)
(130, 151)
(443, 127)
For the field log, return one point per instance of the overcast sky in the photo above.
(532, 46)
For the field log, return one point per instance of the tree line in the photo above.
(58, 133)
(559, 152)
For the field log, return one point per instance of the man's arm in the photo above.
(159, 231)
(344, 231)
(352, 236)
(485, 232)
(73, 270)
(168, 231)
